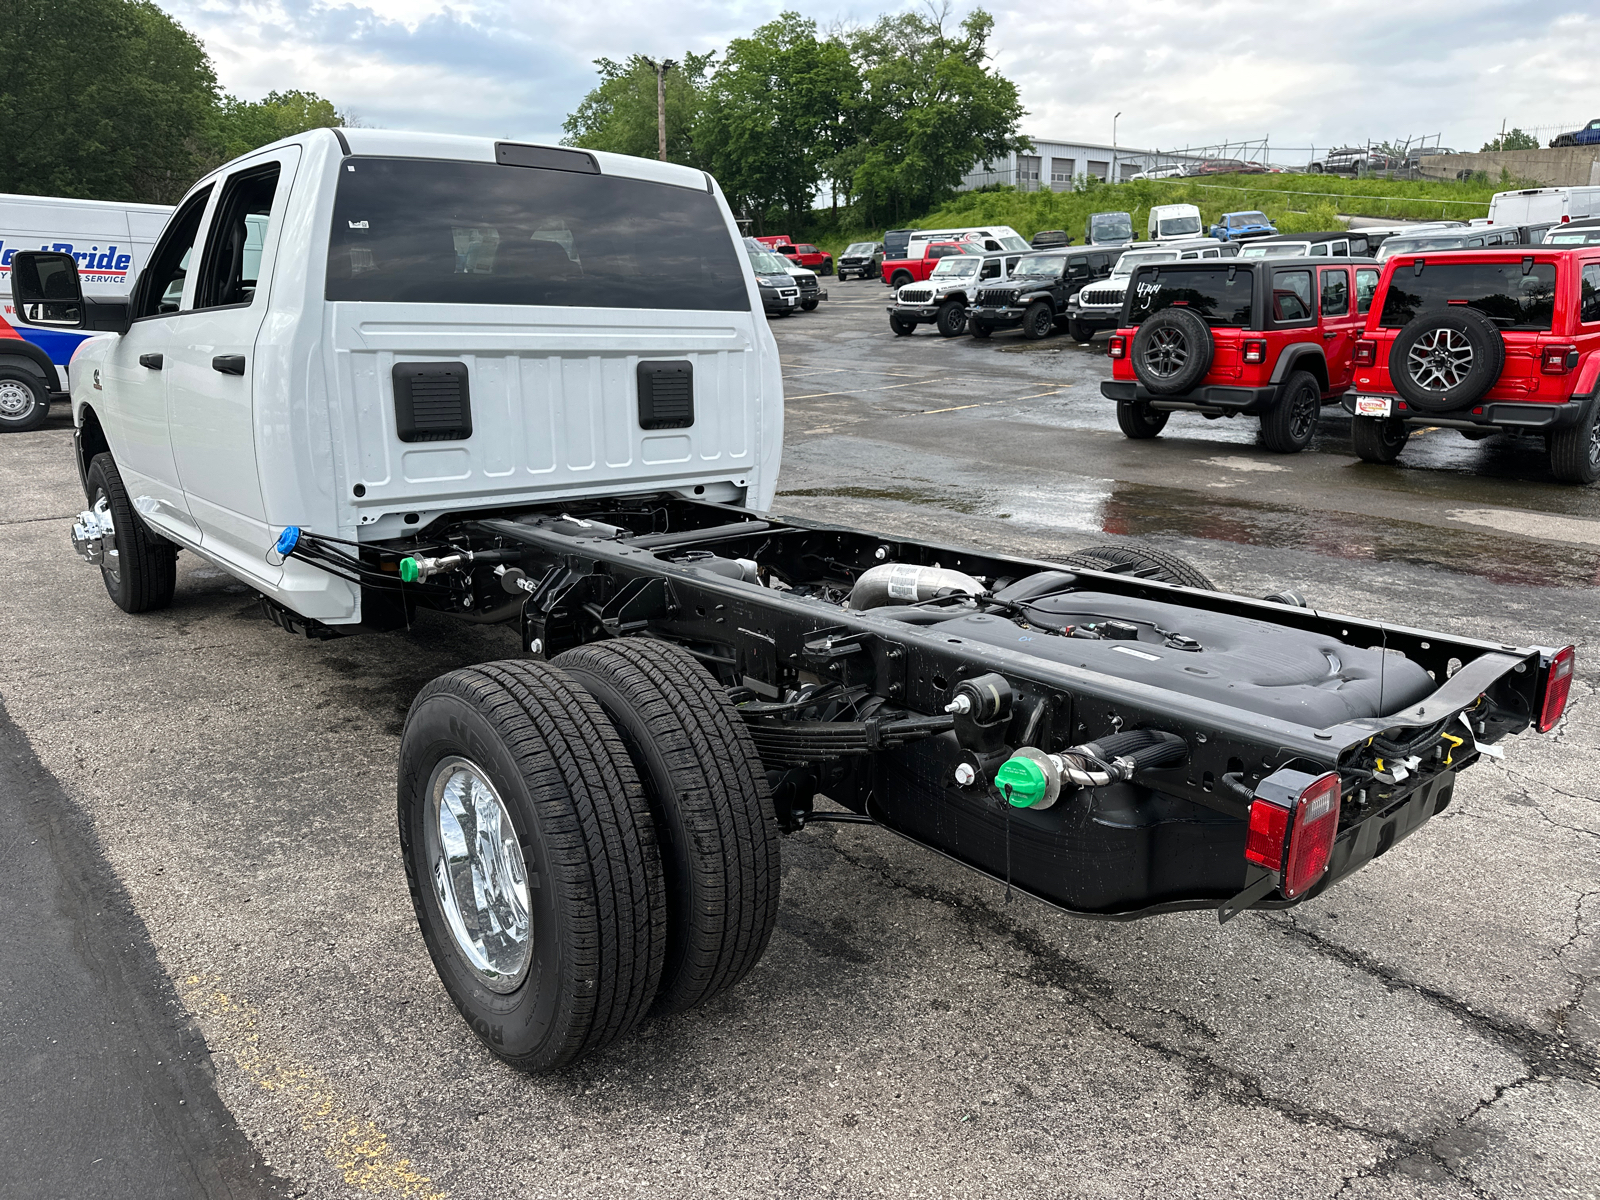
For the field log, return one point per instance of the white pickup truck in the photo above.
(369, 373)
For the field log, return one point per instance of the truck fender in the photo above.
(1303, 357)
(15, 352)
(88, 439)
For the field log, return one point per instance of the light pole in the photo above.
(661, 70)
(1113, 178)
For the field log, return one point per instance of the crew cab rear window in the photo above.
(1500, 291)
(441, 232)
(1221, 295)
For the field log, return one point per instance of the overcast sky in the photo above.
(1306, 74)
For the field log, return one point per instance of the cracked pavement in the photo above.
(1426, 1029)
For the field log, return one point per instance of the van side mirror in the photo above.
(46, 291)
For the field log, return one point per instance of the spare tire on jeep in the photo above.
(1172, 351)
(1446, 359)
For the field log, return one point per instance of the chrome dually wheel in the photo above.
(478, 874)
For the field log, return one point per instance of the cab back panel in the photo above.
(554, 402)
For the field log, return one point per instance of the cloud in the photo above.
(1180, 72)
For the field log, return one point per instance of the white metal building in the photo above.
(1056, 164)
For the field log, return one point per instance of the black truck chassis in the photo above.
(853, 704)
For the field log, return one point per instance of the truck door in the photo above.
(211, 366)
(135, 374)
(1341, 325)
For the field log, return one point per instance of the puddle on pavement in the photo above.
(1138, 510)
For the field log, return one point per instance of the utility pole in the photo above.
(1113, 178)
(661, 69)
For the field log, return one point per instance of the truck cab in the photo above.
(429, 324)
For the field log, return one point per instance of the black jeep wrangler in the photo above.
(1036, 296)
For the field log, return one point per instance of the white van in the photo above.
(992, 237)
(1541, 206)
(109, 241)
(1174, 223)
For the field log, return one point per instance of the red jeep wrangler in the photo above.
(1485, 341)
(1262, 337)
(897, 272)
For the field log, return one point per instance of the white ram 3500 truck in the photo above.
(369, 373)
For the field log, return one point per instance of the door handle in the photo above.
(228, 364)
(1329, 335)
(153, 361)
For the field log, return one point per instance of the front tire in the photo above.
(810, 305)
(24, 400)
(711, 806)
(1289, 425)
(902, 327)
(1575, 451)
(1377, 440)
(1038, 321)
(952, 319)
(532, 862)
(1078, 332)
(139, 567)
(1139, 420)
(979, 329)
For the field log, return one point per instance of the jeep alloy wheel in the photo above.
(1167, 354)
(1441, 360)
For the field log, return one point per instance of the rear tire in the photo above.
(952, 319)
(1141, 561)
(1139, 420)
(1290, 424)
(1575, 451)
(140, 567)
(1377, 440)
(899, 279)
(577, 875)
(902, 327)
(24, 400)
(1077, 332)
(712, 809)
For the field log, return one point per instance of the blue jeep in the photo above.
(1589, 135)
(1237, 226)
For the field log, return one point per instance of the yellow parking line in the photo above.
(351, 1141)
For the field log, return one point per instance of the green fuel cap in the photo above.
(408, 570)
(1022, 781)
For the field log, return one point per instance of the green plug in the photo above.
(409, 572)
(1022, 781)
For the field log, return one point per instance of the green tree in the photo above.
(930, 109)
(106, 99)
(620, 114)
(772, 115)
(239, 126)
(1515, 140)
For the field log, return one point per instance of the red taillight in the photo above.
(1117, 347)
(1269, 828)
(1366, 354)
(1293, 832)
(1558, 360)
(1255, 352)
(1557, 686)
(1565, 217)
(1316, 822)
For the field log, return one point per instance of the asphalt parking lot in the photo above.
(204, 807)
